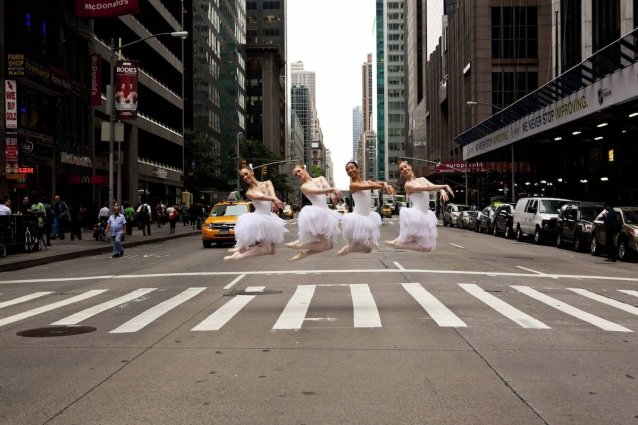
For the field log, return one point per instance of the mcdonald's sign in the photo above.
(94, 180)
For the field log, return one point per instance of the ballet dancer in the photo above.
(258, 232)
(318, 224)
(361, 227)
(418, 223)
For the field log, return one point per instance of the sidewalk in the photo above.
(67, 249)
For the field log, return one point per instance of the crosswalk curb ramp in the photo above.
(365, 311)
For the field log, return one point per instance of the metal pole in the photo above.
(111, 100)
(466, 189)
(118, 198)
(237, 160)
(513, 180)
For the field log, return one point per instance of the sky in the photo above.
(333, 38)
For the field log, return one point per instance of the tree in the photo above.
(256, 153)
(316, 171)
(200, 165)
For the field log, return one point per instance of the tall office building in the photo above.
(266, 74)
(302, 78)
(356, 130)
(367, 93)
(415, 28)
(394, 89)
(216, 86)
(380, 76)
(301, 105)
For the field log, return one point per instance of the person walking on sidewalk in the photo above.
(129, 214)
(612, 226)
(75, 218)
(160, 210)
(60, 212)
(144, 218)
(173, 214)
(183, 210)
(115, 224)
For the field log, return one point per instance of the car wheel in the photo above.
(559, 240)
(623, 254)
(537, 236)
(207, 244)
(519, 234)
(593, 246)
(495, 231)
(509, 232)
(577, 244)
(479, 228)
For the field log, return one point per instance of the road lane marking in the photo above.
(620, 305)
(223, 314)
(234, 282)
(437, 311)
(537, 272)
(147, 317)
(49, 307)
(572, 311)
(254, 289)
(92, 311)
(512, 313)
(399, 266)
(629, 292)
(458, 246)
(24, 299)
(295, 312)
(366, 314)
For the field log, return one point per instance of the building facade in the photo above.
(301, 106)
(380, 77)
(356, 130)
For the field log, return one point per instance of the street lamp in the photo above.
(475, 103)
(239, 134)
(111, 107)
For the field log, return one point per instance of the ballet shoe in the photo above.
(230, 258)
(233, 249)
(391, 243)
(298, 256)
(293, 245)
(343, 251)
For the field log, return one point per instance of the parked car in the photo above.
(468, 219)
(537, 217)
(574, 224)
(486, 220)
(219, 226)
(451, 213)
(503, 220)
(627, 240)
(387, 210)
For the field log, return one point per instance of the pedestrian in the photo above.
(129, 214)
(418, 223)
(75, 221)
(144, 218)
(258, 232)
(60, 212)
(115, 224)
(48, 222)
(40, 212)
(172, 212)
(103, 214)
(183, 212)
(25, 206)
(612, 226)
(361, 227)
(5, 207)
(160, 211)
(318, 224)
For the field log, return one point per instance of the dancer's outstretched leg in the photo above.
(294, 245)
(413, 246)
(263, 248)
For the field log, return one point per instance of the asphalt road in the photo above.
(482, 331)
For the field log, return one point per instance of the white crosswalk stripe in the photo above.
(49, 307)
(142, 320)
(620, 305)
(629, 292)
(295, 312)
(512, 313)
(366, 314)
(222, 315)
(76, 318)
(572, 311)
(442, 315)
(24, 299)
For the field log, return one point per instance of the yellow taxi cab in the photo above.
(286, 213)
(219, 226)
(387, 211)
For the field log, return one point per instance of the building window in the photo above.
(508, 87)
(271, 31)
(514, 32)
(272, 5)
(251, 5)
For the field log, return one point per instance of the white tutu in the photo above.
(315, 221)
(358, 227)
(259, 226)
(418, 226)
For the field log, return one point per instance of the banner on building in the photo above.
(11, 154)
(10, 105)
(461, 166)
(126, 90)
(105, 8)
(96, 80)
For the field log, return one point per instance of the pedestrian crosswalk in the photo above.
(365, 312)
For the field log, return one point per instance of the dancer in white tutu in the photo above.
(318, 224)
(361, 227)
(418, 223)
(258, 232)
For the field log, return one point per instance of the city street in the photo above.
(483, 330)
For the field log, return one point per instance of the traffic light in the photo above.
(243, 164)
(264, 171)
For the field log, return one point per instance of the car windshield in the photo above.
(228, 210)
(550, 206)
(631, 217)
(462, 208)
(588, 214)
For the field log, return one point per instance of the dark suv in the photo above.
(574, 224)
(503, 219)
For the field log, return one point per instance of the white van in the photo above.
(537, 216)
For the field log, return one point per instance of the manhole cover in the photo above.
(242, 292)
(56, 331)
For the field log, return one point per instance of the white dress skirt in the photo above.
(260, 226)
(317, 219)
(362, 225)
(418, 223)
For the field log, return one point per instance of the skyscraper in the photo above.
(366, 94)
(356, 130)
(301, 105)
(380, 69)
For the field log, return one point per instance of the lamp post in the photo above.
(111, 105)
(475, 103)
(239, 134)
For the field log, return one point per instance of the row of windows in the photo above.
(252, 5)
(395, 27)
(396, 132)
(395, 5)
(514, 32)
(395, 117)
(508, 87)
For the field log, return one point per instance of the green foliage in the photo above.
(316, 171)
(256, 153)
(198, 152)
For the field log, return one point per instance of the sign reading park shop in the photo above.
(126, 90)
(105, 8)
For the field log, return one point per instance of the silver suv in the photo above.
(451, 212)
